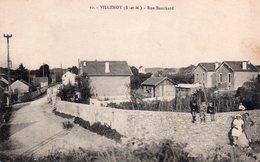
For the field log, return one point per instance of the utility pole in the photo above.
(7, 36)
(43, 70)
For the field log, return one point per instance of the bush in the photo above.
(100, 129)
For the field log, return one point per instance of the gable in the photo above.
(154, 81)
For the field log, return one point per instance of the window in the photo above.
(203, 76)
(197, 77)
(220, 78)
(229, 78)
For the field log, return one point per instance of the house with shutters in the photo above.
(204, 73)
(109, 80)
(159, 87)
(231, 75)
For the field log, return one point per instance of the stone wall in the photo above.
(154, 126)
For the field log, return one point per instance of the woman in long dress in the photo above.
(238, 134)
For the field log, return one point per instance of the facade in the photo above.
(40, 81)
(159, 87)
(204, 73)
(20, 87)
(231, 75)
(68, 78)
(109, 80)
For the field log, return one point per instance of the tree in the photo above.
(138, 78)
(22, 73)
(74, 70)
(84, 88)
(44, 71)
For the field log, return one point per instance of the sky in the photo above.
(59, 32)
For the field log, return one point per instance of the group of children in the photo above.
(202, 109)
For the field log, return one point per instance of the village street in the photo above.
(35, 129)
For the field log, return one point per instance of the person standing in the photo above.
(203, 111)
(237, 129)
(194, 110)
(241, 107)
(212, 111)
(248, 123)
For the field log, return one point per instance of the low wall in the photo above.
(130, 123)
(156, 125)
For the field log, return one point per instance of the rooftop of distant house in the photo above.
(106, 68)
(154, 81)
(237, 66)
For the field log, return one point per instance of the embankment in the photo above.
(155, 126)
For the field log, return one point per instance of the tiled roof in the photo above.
(153, 81)
(237, 66)
(97, 68)
(208, 66)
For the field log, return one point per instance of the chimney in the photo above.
(244, 65)
(216, 65)
(107, 67)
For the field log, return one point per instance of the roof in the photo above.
(97, 68)
(3, 84)
(258, 67)
(208, 66)
(236, 66)
(189, 86)
(154, 81)
(24, 82)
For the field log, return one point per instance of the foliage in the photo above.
(84, 88)
(67, 125)
(101, 129)
(74, 70)
(22, 73)
(138, 78)
(249, 94)
(67, 93)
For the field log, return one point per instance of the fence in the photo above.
(181, 103)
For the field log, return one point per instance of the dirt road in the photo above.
(35, 129)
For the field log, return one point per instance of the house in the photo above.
(20, 87)
(231, 75)
(40, 81)
(204, 73)
(187, 89)
(159, 87)
(69, 78)
(109, 80)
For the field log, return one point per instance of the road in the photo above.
(35, 129)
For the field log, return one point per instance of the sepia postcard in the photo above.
(130, 80)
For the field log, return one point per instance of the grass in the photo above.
(162, 152)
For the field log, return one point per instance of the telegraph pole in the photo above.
(7, 36)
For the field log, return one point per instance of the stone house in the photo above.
(69, 78)
(159, 87)
(109, 80)
(20, 87)
(204, 73)
(231, 75)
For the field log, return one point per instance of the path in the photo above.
(34, 129)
